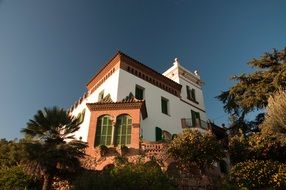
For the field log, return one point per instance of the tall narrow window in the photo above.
(139, 92)
(164, 105)
(103, 131)
(158, 133)
(188, 92)
(101, 95)
(191, 93)
(123, 130)
(196, 119)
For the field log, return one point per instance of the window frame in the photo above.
(104, 131)
(122, 137)
(165, 107)
(139, 88)
(195, 115)
(191, 94)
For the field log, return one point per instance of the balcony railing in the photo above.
(153, 147)
(189, 123)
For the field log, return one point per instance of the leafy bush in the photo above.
(129, 176)
(11, 152)
(93, 180)
(255, 174)
(193, 147)
(14, 178)
(120, 161)
(103, 150)
(237, 145)
(124, 150)
(274, 124)
(280, 178)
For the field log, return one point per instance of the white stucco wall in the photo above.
(110, 86)
(198, 93)
(121, 83)
(152, 94)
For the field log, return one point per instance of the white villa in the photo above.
(127, 101)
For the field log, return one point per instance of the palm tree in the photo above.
(52, 147)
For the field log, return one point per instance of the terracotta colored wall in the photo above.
(135, 131)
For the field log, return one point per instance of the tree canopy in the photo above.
(274, 125)
(252, 90)
(52, 147)
(259, 159)
(196, 148)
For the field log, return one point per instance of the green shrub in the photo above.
(93, 180)
(14, 178)
(124, 150)
(280, 178)
(126, 177)
(120, 161)
(255, 174)
(103, 150)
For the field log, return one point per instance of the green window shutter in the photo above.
(139, 93)
(193, 113)
(123, 130)
(198, 117)
(158, 132)
(164, 105)
(188, 92)
(193, 94)
(103, 131)
(98, 132)
(195, 118)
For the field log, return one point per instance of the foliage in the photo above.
(92, 180)
(255, 174)
(124, 149)
(256, 146)
(270, 142)
(52, 147)
(237, 145)
(280, 177)
(193, 147)
(253, 90)
(103, 150)
(226, 185)
(127, 177)
(14, 178)
(120, 161)
(264, 147)
(11, 153)
(274, 125)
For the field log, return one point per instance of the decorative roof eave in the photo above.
(140, 65)
(116, 62)
(189, 76)
(99, 106)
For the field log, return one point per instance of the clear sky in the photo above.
(50, 49)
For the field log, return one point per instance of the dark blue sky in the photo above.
(50, 49)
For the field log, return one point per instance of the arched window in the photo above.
(103, 130)
(123, 130)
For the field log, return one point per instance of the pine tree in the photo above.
(252, 91)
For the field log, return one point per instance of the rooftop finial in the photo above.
(196, 72)
(176, 62)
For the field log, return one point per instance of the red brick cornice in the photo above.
(123, 61)
(119, 106)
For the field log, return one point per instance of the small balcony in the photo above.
(188, 123)
(153, 147)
